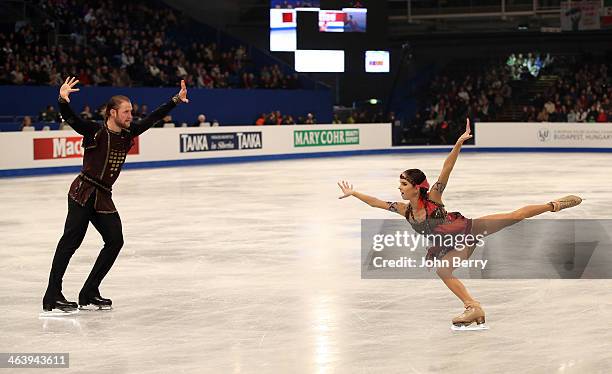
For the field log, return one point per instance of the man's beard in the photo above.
(123, 125)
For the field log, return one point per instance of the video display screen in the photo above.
(377, 62)
(345, 20)
(319, 61)
(331, 35)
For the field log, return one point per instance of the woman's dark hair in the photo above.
(113, 103)
(414, 177)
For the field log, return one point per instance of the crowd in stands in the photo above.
(582, 93)
(341, 116)
(108, 48)
(362, 115)
(528, 66)
(275, 118)
(50, 115)
(452, 97)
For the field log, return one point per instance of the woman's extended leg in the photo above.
(488, 225)
(491, 224)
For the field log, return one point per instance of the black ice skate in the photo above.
(59, 307)
(95, 303)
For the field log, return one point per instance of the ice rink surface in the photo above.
(255, 268)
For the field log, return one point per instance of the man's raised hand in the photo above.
(68, 87)
(183, 92)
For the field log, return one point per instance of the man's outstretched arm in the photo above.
(159, 113)
(79, 125)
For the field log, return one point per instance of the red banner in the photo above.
(65, 147)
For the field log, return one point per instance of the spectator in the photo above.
(572, 116)
(350, 119)
(581, 116)
(543, 115)
(592, 114)
(525, 114)
(279, 117)
(17, 76)
(201, 121)
(261, 120)
(49, 115)
(310, 119)
(463, 94)
(602, 116)
(165, 122)
(270, 119)
(550, 107)
(99, 114)
(561, 115)
(144, 111)
(26, 124)
(86, 113)
(288, 120)
(135, 110)
(168, 121)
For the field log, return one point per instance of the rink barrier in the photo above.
(162, 147)
(544, 135)
(35, 153)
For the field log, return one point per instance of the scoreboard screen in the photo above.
(330, 30)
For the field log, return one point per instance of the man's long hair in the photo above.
(114, 103)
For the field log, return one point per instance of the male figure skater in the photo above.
(90, 197)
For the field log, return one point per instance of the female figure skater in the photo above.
(425, 212)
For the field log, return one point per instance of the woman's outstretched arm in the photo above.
(347, 190)
(435, 193)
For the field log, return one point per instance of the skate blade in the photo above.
(58, 313)
(93, 308)
(472, 327)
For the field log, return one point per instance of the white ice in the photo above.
(255, 268)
